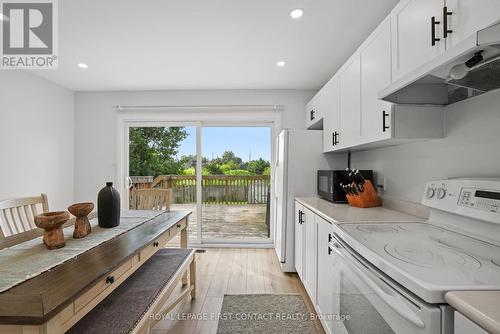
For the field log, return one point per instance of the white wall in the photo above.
(36, 138)
(471, 148)
(96, 123)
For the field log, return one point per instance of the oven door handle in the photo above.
(389, 296)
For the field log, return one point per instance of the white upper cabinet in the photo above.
(314, 112)
(416, 34)
(350, 102)
(331, 115)
(375, 57)
(463, 18)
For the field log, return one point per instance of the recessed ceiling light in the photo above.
(83, 65)
(296, 13)
(281, 63)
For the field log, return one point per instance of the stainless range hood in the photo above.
(466, 71)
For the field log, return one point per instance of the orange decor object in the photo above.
(368, 198)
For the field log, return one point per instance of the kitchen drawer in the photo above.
(156, 244)
(103, 284)
(177, 228)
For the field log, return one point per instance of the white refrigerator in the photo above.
(299, 155)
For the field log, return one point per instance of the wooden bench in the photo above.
(145, 297)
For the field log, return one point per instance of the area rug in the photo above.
(265, 314)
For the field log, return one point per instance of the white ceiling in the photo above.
(208, 44)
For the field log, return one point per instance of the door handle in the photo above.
(384, 115)
(312, 114)
(433, 31)
(446, 13)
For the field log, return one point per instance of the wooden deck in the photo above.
(246, 221)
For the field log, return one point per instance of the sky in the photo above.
(243, 141)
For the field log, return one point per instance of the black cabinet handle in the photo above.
(446, 13)
(156, 244)
(110, 279)
(329, 237)
(329, 250)
(301, 217)
(384, 116)
(335, 138)
(178, 225)
(312, 114)
(433, 31)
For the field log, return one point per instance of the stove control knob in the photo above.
(441, 193)
(430, 192)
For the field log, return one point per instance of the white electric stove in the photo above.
(403, 270)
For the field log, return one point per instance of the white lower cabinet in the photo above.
(465, 326)
(313, 261)
(299, 240)
(310, 253)
(324, 302)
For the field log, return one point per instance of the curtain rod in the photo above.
(273, 107)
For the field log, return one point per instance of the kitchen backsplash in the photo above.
(471, 147)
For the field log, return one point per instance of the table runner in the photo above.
(31, 258)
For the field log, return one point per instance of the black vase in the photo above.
(108, 206)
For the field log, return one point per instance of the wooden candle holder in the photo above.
(52, 222)
(366, 199)
(82, 224)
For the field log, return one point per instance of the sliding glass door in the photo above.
(236, 172)
(163, 158)
(231, 203)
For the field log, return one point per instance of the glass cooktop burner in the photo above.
(424, 254)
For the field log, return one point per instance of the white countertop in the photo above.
(482, 307)
(337, 213)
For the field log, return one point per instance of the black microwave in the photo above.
(329, 184)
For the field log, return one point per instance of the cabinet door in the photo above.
(464, 326)
(350, 103)
(468, 16)
(313, 111)
(324, 302)
(411, 34)
(331, 114)
(310, 264)
(299, 240)
(375, 57)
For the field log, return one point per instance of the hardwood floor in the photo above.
(229, 271)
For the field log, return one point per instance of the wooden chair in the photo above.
(17, 215)
(151, 199)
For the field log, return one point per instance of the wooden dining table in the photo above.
(54, 300)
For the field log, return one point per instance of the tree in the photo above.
(153, 150)
(258, 167)
(228, 156)
(188, 161)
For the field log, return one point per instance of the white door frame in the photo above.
(198, 120)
